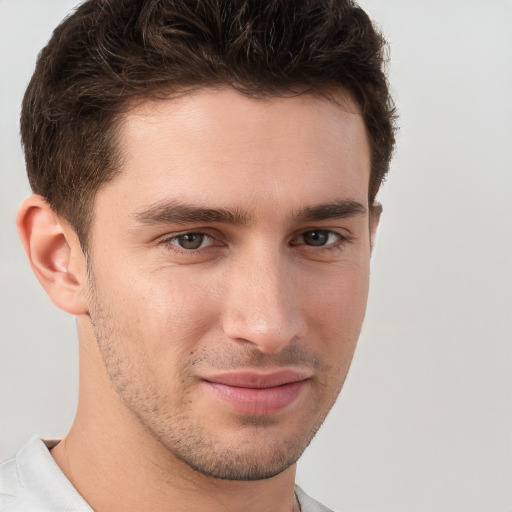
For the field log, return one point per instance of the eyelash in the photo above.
(169, 241)
(341, 240)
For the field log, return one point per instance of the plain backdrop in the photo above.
(424, 421)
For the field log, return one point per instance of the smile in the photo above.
(254, 393)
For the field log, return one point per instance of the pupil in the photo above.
(316, 237)
(191, 240)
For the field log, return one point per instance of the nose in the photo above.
(263, 305)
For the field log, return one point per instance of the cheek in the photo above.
(170, 312)
(336, 303)
(167, 311)
(148, 327)
(335, 316)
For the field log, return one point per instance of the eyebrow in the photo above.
(340, 209)
(175, 212)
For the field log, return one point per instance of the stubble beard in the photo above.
(187, 438)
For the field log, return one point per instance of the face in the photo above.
(229, 272)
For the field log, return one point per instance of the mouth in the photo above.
(252, 392)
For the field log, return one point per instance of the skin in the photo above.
(280, 283)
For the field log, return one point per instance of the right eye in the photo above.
(190, 241)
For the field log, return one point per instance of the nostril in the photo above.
(268, 336)
(262, 305)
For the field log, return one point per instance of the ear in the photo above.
(375, 213)
(54, 254)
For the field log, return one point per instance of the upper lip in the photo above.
(257, 380)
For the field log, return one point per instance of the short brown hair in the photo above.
(110, 51)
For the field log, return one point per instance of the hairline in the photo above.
(336, 94)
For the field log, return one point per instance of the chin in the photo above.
(236, 466)
(259, 453)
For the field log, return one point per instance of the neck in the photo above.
(117, 465)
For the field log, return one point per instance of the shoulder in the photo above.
(9, 484)
(308, 504)
(32, 481)
(14, 495)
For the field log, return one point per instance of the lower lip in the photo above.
(258, 400)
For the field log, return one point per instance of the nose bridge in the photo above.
(263, 304)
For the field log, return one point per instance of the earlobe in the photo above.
(54, 254)
(375, 213)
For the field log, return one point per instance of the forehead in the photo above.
(222, 148)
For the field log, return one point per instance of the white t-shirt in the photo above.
(32, 482)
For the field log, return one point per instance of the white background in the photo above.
(424, 422)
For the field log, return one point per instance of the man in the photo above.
(205, 178)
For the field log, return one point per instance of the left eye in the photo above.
(191, 241)
(318, 238)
